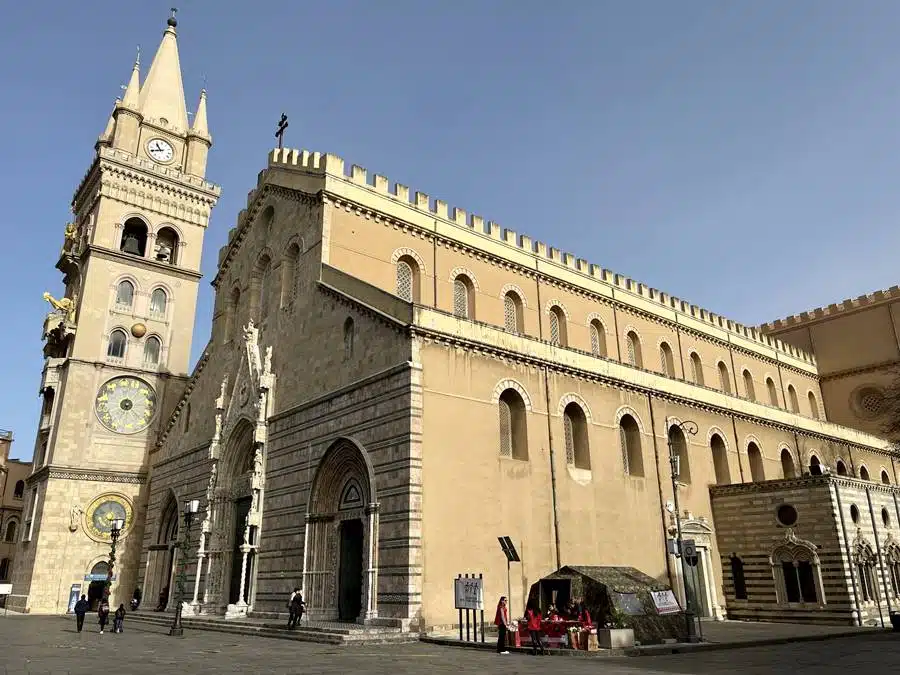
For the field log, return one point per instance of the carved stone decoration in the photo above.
(75, 517)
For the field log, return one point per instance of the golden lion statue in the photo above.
(65, 306)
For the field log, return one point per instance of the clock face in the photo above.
(160, 150)
(126, 405)
(103, 511)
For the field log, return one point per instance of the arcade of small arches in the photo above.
(409, 271)
(512, 418)
(340, 554)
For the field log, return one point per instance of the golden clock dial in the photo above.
(103, 511)
(126, 405)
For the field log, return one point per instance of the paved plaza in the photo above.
(51, 645)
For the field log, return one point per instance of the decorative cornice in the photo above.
(96, 475)
(143, 263)
(862, 370)
(806, 481)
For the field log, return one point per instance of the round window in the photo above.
(868, 402)
(854, 514)
(786, 515)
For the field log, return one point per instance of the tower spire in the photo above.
(133, 90)
(201, 127)
(162, 94)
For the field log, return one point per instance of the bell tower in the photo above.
(117, 341)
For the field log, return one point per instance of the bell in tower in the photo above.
(130, 244)
(134, 237)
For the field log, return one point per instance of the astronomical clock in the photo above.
(100, 514)
(125, 405)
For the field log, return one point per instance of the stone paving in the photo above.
(51, 645)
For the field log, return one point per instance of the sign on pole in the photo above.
(665, 602)
(468, 593)
(5, 589)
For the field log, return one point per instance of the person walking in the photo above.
(296, 607)
(501, 620)
(103, 614)
(119, 619)
(533, 617)
(81, 608)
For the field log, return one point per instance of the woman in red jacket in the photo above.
(501, 620)
(533, 617)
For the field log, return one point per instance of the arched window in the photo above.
(348, 338)
(787, 464)
(696, 369)
(864, 561)
(813, 406)
(513, 319)
(4, 569)
(559, 335)
(720, 460)
(166, 250)
(757, 469)
(892, 554)
(19, 490)
(840, 468)
(598, 338)
(152, 348)
(679, 448)
(10, 534)
(630, 441)
(815, 466)
(289, 269)
(738, 578)
(577, 446)
(633, 346)
(260, 283)
(463, 297)
(231, 313)
(863, 472)
(749, 389)
(124, 294)
(666, 360)
(792, 399)
(795, 566)
(773, 392)
(117, 343)
(159, 303)
(513, 426)
(724, 380)
(885, 479)
(408, 279)
(134, 237)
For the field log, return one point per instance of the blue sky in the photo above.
(740, 155)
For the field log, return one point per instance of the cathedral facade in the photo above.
(390, 385)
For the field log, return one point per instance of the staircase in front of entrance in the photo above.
(333, 633)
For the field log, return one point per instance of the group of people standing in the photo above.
(82, 607)
(574, 611)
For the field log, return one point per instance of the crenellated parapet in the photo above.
(832, 310)
(548, 259)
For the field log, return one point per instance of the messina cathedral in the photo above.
(390, 384)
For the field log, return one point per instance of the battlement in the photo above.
(333, 166)
(834, 309)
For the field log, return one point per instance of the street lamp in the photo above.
(191, 507)
(116, 527)
(690, 428)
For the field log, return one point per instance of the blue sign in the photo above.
(97, 577)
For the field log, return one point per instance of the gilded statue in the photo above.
(71, 238)
(65, 306)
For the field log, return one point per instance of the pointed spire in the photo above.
(200, 127)
(133, 90)
(107, 135)
(162, 94)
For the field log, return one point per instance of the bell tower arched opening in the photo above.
(340, 555)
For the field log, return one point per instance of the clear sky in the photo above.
(740, 155)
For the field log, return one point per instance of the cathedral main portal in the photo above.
(340, 559)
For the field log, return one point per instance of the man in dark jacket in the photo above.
(81, 608)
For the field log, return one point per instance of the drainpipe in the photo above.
(799, 454)
(856, 614)
(552, 465)
(659, 484)
(737, 445)
(616, 328)
(887, 593)
(680, 350)
(434, 271)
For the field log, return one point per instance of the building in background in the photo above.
(13, 473)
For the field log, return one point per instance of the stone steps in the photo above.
(323, 634)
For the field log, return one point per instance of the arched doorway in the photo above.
(96, 588)
(166, 546)
(340, 557)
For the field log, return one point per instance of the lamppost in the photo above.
(687, 427)
(191, 507)
(115, 530)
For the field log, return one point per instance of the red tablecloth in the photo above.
(553, 633)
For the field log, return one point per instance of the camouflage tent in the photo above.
(611, 594)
